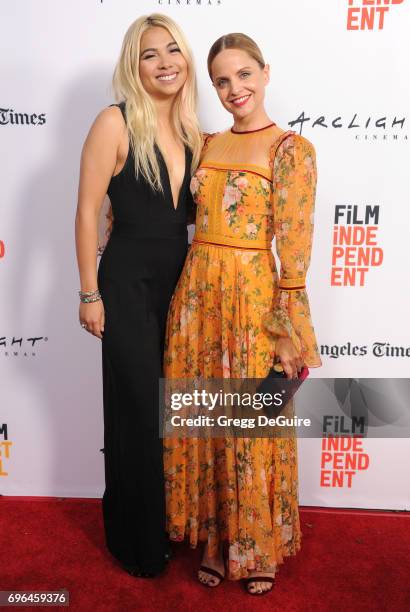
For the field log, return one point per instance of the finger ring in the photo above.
(84, 325)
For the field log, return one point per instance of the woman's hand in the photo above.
(288, 356)
(92, 315)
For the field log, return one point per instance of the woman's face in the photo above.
(239, 81)
(163, 69)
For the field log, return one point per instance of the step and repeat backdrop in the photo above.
(339, 76)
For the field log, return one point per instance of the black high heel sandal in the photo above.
(249, 581)
(211, 572)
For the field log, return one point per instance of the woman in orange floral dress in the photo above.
(232, 315)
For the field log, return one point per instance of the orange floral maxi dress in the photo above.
(227, 310)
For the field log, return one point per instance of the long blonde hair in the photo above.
(140, 108)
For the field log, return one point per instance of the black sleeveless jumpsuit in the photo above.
(138, 271)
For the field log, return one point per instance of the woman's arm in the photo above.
(294, 177)
(98, 162)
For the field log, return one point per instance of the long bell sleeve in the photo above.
(294, 190)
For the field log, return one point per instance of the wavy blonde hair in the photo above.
(140, 108)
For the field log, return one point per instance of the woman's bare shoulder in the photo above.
(109, 119)
(107, 128)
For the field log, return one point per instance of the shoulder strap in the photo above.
(121, 106)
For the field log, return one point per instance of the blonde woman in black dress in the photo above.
(141, 153)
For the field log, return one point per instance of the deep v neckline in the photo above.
(168, 180)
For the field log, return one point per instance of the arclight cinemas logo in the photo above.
(8, 116)
(362, 127)
(21, 346)
(368, 14)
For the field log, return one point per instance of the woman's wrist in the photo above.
(86, 297)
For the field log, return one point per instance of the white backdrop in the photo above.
(55, 74)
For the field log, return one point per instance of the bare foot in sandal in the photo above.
(212, 570)
(256, 585)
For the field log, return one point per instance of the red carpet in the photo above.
(350, 560)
